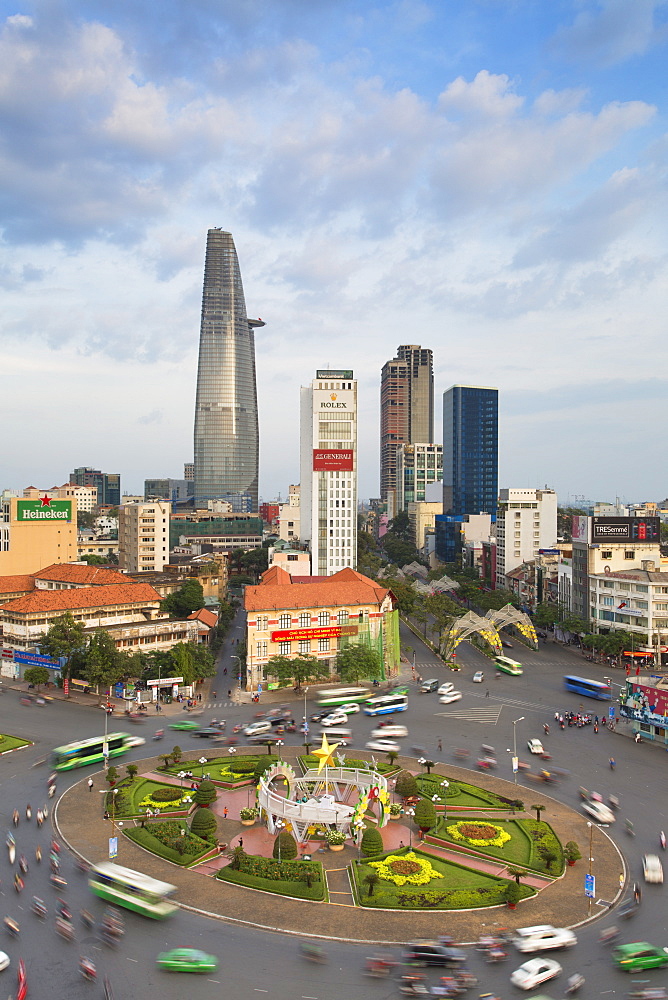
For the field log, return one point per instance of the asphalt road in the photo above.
(253, 962)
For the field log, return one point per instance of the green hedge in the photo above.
(167, 794)
(543, 838)
(459, 792)
(276, 871)
(161, 838)
(366, 765)
(245, 766)
(299, 890)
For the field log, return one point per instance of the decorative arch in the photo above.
(510, 615)
(468, 625)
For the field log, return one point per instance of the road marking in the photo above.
(214, 981)
(131, 959)
(484, 715)
(260, 991)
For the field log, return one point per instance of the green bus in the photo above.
(508, 666)
(333, 697)
(91, 751)
(133, 890)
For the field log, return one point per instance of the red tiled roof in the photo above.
(205, 616)
(276, 575)
(91, 576)
(14, 584)
(77, 598)
(334, 593)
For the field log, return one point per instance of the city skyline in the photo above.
(485, 178)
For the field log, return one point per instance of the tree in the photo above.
(93, 560)
(401, 526)
(516, 873)
(285, 846)
(307, 746)
(371, 881)
(206, 793)
(204, 823)
(85, 519)
(36, 676)
(298, 670)
(166, 759)
(572, 852)
(372, 842)
(391, 756)
(539, 809)
(427, 764)
(112, 775)
(425, 815)
(406, 785)
(64, 638)
(357, 661)
(132, 771)
(102, 663)
(512, 894)
(236, 856)
(177, 754)
(263, 764)
(188, 598)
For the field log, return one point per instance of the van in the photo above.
(427, 686)
(338, 734)
(258, 728)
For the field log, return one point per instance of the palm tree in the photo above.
(391, 756)
(371, 881)
(539, 809)
(236, 855)
(307, 746)
(516, 873)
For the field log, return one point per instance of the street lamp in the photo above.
(445, 785)
(279, 825)
(410, 813)
(521, 718)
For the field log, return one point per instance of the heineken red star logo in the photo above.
(46, 501)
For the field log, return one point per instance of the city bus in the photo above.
(342, 696)
(508, 666)
(91, 751)
(383, 704)
(133, 890)
(588, 688)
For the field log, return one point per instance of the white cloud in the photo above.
(616, 30)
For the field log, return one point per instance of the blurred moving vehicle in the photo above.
(433, 953)
(447, 699)
(186, 960)
(385, 746)
(184, 724)
(543, 937)
(350, 709)
(389, 732)
(534, 972)
(639, 956)
(446, 687)
(478, 677)
(598, 811)
(535, 746)
(337, 718)
(428, 686)
(652, 868)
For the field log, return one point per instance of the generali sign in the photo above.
(44, 509)
(332, 460)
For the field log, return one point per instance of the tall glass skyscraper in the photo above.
(226, 424)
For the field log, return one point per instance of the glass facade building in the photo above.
(406, 408)
(226, 421)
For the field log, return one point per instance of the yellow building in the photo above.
(317, 616)
(36, 533)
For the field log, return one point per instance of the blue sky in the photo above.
(484, 177)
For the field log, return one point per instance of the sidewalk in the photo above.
(562, 903)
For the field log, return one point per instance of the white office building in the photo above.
(143, 536)
(526, 522)
(328, 460)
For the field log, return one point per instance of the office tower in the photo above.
(108, 485)
(470, 462)
(226, 424)
(406, 408)
(526, 521)
(166, 489)
(418, 465)
(328, 459)
(143, 536)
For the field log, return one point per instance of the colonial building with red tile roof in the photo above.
(317, 617)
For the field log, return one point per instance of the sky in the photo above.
(486, 178)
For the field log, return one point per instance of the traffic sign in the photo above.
(611, 711)
(590, 886)
(113, 847)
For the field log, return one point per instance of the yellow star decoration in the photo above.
(325, 753)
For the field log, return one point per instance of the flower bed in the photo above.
(134, 797)
(454, 887)
(287, 878)
(459, 793)
(524, 842)
(165, 840)
(478, 833)
(407, 868)
(8, 743)
(228, 771)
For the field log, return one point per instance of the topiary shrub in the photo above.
(406, 785)
(204, 824)
(285, 846)
(242, 766)
(262, 765)
(425, 815)
(166, 794)
(372, 842)
(206, 793)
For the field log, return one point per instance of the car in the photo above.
(598, 811)
(400, 689)
(638, 956)
(534, 972)
(543, 937)
(447, 699)
(506, 644)
(334, 719)
(535, 746)
(136, 741)
(4, 960)
(389, 732)
(428, 953)
(187, 960)
(478, 677)
(207, 732)
(350, 709)
(446, 687)
(652, 868)
(258, 728)
(385, 746)
(184, 724)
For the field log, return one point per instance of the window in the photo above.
(608, 583)
(284, 621)
(261, 649)
(323, 619)
(606, 554)
(342, 617)
(629, 554)
(641, 588)
(284, 648)
(304, 645)
(608, 601)
(262, 623)
(305, 619)
(323, 645)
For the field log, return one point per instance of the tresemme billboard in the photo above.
(44, 510)
(625, 529)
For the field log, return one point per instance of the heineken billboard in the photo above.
(45, 509)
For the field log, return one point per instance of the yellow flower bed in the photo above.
(406, 868)
(465, 830)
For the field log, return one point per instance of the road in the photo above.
(253, 962)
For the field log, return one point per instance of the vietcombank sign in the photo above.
(45, 509)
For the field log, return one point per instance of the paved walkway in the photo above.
(561, 903)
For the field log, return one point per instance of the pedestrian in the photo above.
(229, 693)
(401, 843)
(90, 784)
(487, 693)
(241, 842)
(621, 880)
(440, 745)
(225, 813)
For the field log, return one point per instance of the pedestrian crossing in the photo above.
(489, 715)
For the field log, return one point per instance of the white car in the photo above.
(543, 937)
(535, 746)
(447, 699)
(4, 961)
(446, 688)
(534, 972)
(389, 732)
(350, 709)
(136, 741)
(652, 868)
(334, 719)
(598, 812)
(478, 677)
(383, 745)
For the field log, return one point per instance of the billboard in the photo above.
(45, 509)
(334, 373)
(580, 528)
(332, 460)
(326, 632)
(625, 529)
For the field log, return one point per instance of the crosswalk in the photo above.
(489, 714)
